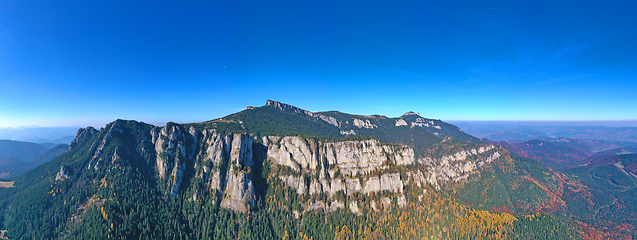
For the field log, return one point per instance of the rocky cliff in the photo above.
(335, 170)
(327, 168)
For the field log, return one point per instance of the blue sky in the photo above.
(68, 63)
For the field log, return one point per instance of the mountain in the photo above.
(279, 172)
(49, 145)
(17, 158)
(36, 134)
(49, 155)
(618, 151)
(524, 131)
(438, 128)
(606, 193)
(24, 151)
(561, 153)
(11, 167)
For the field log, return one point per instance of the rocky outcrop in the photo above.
(227, 163)
(391, 182)
(423, 122)
(238, 192)
(401, 122)
(61, 175)
(363, 167)
(364, 123)
(239, 189)
(350, 157)
(294, 152)
(174, 148)
(82, 133)
(386, 182)
(112, 128)
(348, 133)
(285, 107)
(457, 167)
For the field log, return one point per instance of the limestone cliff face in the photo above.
(458, 166)
(225, 162)
(350, 157)
(174, 147)
(239, 189)
(333, 173)
(364, 166)
(364, 123)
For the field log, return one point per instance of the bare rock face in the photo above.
(363, 167)
(61, 175)
(344, 165)
(294, 152)
(363, 157)
(241, 152)
(239, 189)
(335, 206)
(174, 148)
(353, 206)
(425, 123)
(457, 167)
(364, 124)
(238, 192)
(401, 122)
(348, 133)
(387, 182)
(350, 157)
(354, 157)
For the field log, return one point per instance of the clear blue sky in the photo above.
(91, 62)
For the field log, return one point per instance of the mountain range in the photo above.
(561, 153)
(50, 136)
(282, 172)
(524, 131)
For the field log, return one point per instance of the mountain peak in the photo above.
(282, 106)
(411, 113)
(271, 103)
(285, 107)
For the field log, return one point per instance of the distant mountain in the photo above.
(606, 193)
(589, 147)
(49, 145)
(24, 151)
(618, 151)
(510, 131)
(11, 167)
(58, 135)
(560, 153)
(18, 157)
(49, 155)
